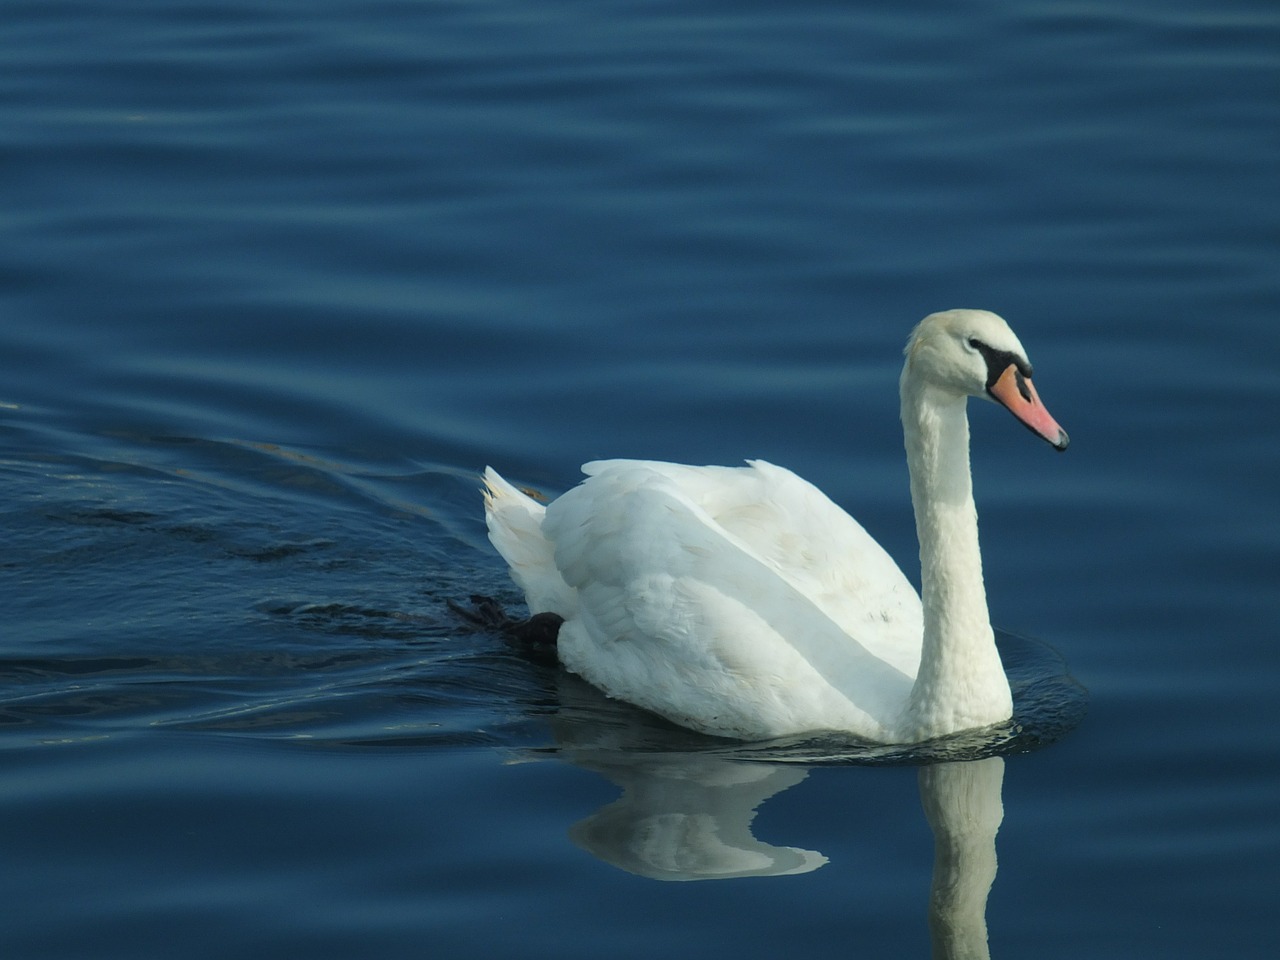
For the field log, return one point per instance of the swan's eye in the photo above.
(975, 343)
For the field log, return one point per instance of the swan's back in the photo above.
(736, 601)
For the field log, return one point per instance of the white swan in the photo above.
(741, 602)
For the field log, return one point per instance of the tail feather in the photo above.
(515, 529)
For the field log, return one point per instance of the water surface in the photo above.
(279, 279)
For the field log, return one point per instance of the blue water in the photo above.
(278, 279)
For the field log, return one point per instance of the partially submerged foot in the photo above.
(535, 637)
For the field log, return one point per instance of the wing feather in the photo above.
(701, 598)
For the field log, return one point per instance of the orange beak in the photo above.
(1015, 392)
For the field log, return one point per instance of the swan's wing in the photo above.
(679, 614)
(818, 548)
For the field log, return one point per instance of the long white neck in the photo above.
(961, 684)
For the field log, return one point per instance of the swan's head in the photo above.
(974, 353)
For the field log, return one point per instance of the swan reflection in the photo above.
(690, 819)
(962, 802)
(686, 814)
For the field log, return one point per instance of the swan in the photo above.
(742, 602)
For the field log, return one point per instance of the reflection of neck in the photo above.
(963, 806)
(961, 684)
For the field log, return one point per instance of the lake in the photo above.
(280, 279)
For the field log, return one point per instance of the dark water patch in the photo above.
(353, 620)
(102, 516)
(20, 669)
(381, 694)
(285, 551)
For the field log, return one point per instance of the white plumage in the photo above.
(742, 602)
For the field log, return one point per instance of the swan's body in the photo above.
(742, 602)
